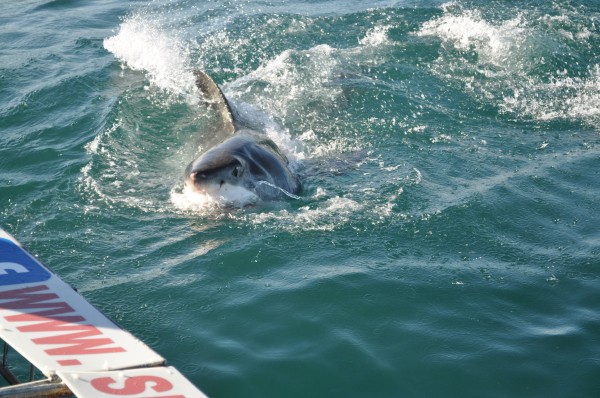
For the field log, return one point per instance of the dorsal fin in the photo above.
(214, 97)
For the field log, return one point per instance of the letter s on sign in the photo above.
(132, 385)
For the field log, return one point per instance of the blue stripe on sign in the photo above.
(18, 267)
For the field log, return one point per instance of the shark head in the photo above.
(242, 170)
(223, 174)
(246, 166)
(227, 183)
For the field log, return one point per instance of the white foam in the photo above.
(293, 78)
(508, 57)
(562, 98)
(375, 37)
(142, 44)
(329, 215)
(495, 43)
(185, 198)
(289, 84)
(93, 146)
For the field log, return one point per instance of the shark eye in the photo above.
(236, 171)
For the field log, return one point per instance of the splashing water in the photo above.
(495, 43)
(508, 53)
(187, 199)
(289, 87)
(143, 45)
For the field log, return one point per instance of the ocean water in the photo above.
(447, 239)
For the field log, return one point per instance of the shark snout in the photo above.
(197, 177)
(212, 181)
(202, 181)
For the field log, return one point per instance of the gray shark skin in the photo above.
(246, 166)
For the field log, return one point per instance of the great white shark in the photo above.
(246, 165)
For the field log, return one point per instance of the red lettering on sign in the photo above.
(78, 344)
(69, 362)
(133, 385)
(52, 319)
(25, 298)
(46, 324)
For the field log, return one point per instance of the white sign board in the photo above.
(160, 382)
(55, 328)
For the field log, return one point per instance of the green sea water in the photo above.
(447, 239)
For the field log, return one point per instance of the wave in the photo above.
(526, 64)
